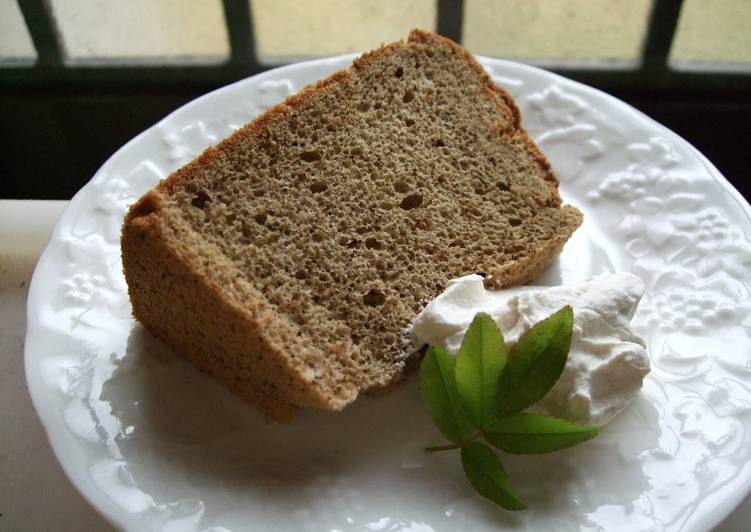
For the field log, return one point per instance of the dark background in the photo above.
(55, 139)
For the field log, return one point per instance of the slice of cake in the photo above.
(288, 260)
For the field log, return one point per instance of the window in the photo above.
(141, 31)
(713, 35)
(16, 46)
(291, 30)
(613, 44)
(605, 33)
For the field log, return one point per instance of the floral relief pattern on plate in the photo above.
(154, 445)
(666, 211)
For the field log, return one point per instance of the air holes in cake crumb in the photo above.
(374, 298)
(399, 72)
(363, 106)
(409, 122)
(389, 275)
(318, 236)
(144, 207)
(438, 143)
(349, 242)
(372, 243)
(401, 186)
(411, 202)
(310, 156)
(408, 97)
(318, 186)
(260, 218)
(513, 222)
(301, 274)
(200, 199)
(503, 185)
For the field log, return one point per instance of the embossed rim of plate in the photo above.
(43, 401)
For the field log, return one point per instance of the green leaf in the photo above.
(438, 390)
(479, 364)
(535, 434)
(535, 362)
(485, 472)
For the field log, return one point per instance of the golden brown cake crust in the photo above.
(288, 260)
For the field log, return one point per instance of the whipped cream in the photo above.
(607, 361)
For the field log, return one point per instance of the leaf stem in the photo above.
(451, 447)
(438, 448)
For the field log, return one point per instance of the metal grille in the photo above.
(652, 75)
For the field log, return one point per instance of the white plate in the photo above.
(155, 445)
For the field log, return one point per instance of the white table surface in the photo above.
(35, 494)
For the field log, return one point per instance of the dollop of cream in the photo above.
(607, 361)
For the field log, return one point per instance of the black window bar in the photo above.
(652, 75)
